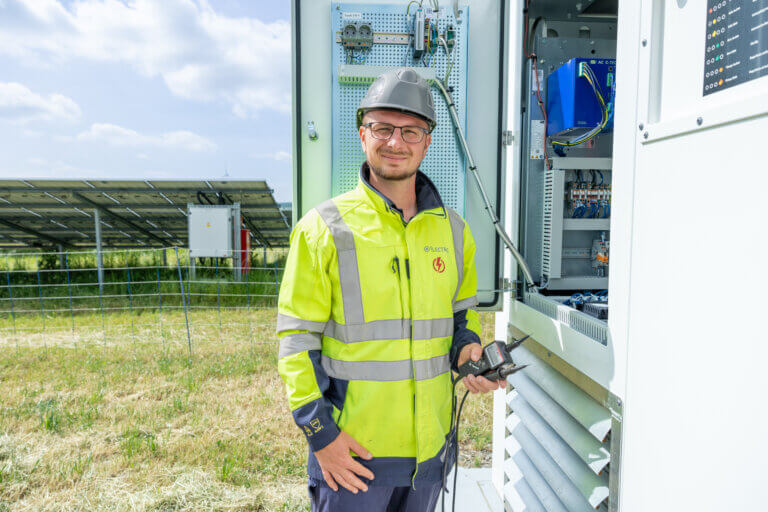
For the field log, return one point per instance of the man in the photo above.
(376, 305)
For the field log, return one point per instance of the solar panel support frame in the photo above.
(237, 223)
(99, 260)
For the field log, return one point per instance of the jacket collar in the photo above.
(427, 196)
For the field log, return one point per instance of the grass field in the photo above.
(133, 424)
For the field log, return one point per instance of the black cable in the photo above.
(456, 462)
(204, 197)
(450, 437)
(444, 488)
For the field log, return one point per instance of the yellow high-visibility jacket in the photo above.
(372, 314)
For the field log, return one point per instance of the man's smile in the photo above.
(391, 156)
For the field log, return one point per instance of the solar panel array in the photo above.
(134, 214)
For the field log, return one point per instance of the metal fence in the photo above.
(138, 295)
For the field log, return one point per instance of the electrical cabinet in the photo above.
(558, 431)
(353, 70)
(624, 200)
(210, 231)
(340, 47)
(651, 381)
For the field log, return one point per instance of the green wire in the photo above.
(408, 9)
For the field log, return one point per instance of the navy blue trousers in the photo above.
(376, 499)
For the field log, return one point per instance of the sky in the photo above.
(146, 89)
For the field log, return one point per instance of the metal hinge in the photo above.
(506, 285)
(311, 130)
(507, 137)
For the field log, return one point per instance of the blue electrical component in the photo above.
(572, 108)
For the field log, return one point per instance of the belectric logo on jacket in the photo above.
(433, 248)
(438, 264)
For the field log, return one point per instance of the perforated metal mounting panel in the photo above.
(444, 163)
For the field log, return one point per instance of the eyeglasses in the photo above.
(409, 134)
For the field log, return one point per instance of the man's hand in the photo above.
(339, 468)
(477, 384)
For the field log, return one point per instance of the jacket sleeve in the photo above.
(466, 321)
(304, 307)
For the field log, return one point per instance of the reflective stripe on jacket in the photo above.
(371, 316)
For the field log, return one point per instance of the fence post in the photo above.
(184, 302)
(247, 293)
(10, 296)
(277, 285)
(69, 291)
(159, 293)
(248, 309)
(101, 303)
(189, 283)
(237, 262)
(218, 295)
(130, 300)
(42, 314)
(99, 259)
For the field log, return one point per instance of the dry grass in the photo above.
(132, 425)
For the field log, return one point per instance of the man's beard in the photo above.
(398, 175)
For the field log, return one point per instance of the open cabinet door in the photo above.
(695, 424)
(510, 181)
(329, 81)
(557, 430)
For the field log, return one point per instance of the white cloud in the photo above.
(37, 161)
(37, 167)
(119, 136)
(277, 155)
(18, 103)
(31, 133)
(199, 54)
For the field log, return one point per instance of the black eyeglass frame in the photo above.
(425, 131)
